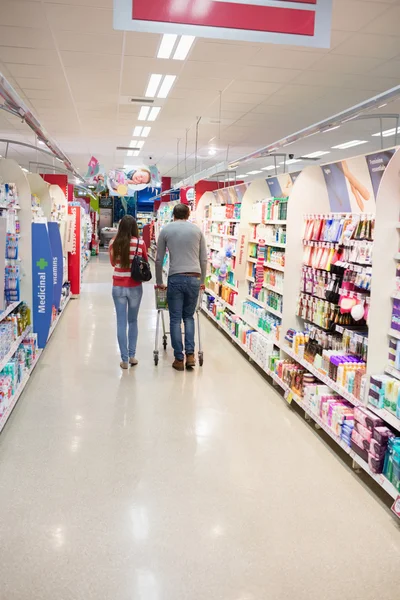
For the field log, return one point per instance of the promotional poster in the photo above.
(133, 179)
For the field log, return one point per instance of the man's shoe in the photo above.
(123, 365)
(133, 361)
(190, 361)
(178, 365)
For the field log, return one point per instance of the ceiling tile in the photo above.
(346, 64)
(141, 44)
(254, 87)
(388, 69)
(368, 44)
(79, 19)
(352, 15)
(28, 56)
(267, 74)
(24, 37)
(284, 59)
(22, 14)
(92, 62)
(106, 43)
(223, 52)
(387, 23)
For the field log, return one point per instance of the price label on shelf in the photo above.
(396, 507)
(289, 397)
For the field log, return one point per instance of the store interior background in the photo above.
(236, 112)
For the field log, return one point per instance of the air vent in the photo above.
(128, 148)
(141, 100)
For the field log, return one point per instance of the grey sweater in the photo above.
(187, 250)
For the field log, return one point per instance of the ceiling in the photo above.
(75, 73)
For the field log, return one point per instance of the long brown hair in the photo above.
(122, 244)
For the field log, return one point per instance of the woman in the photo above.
(127, 293)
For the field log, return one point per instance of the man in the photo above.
(187, 271)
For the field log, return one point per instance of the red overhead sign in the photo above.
(301, 22)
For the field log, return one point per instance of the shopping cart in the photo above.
(161, 306)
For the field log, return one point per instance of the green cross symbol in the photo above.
(42, 264)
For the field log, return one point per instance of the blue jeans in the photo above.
(127, 303)
(183, 293)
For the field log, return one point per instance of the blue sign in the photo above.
(57, 262)
(42, 282)
(274, 187)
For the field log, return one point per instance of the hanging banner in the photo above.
(42, 282)
(377, 164)
(295, 22)
(133, 179)
(74, 249)
(57, 262)
(57, 179)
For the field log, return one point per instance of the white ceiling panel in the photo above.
(272, 56)
(17, 13)
(387, 23)
(94, 61)
(346, 64)
(80, 19)
(24, 37)
(267, 74)
(218, 51)
(368, 44)
(141, 44)
(254, 87)
(28, 56)
(388, 69)
(352, 15)
(106, 43)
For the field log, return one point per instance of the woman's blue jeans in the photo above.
(183, 294)
(127, 303)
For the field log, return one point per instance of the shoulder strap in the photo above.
(137, 247)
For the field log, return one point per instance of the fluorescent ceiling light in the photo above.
(290, 161)
(167, 45)
(270, 168)
(146, 131)
(316, 154)
(350, 144)
(184, 46)
(154, 82)
(330, 129)
(382, 105)
(166, 86)
(41, 142)
(254, 172)
(137, 132)
(133, 144)
(154, 113)
(387, 132)
(129, 153)
(140, 144)
(143, 113)
(212, 151)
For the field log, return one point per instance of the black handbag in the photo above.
(140, 269)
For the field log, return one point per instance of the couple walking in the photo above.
(188, 264)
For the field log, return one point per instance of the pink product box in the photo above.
(375, 464)
(382, 435)
(363, 431)
(377, 450)
(358, 439)
(367, 418)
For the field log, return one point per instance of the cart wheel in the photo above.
(201, 359)
(156, 358)
(165, 342)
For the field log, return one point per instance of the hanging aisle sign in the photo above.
(57, 262)
(42, 282)
(294, 22)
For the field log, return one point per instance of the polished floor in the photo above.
(157, 485)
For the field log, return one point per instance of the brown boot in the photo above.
(178, 365)
(190, 361)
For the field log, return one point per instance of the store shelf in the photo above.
(397, 256)
(224, 302)
(274, 266)
(267, 264)
(57, 319)
(224, 220)
(14, 348)
(6, 207)
(9, 310)
(378, 478)
(271, 244)
(273, 222)
(266, 286)
(265, 306)
(255, 300)
(382, 413)
(394, 333)
(223, 235)
(18, 392)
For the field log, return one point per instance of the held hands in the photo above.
(161, 287)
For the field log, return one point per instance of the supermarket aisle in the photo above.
(157, 485)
